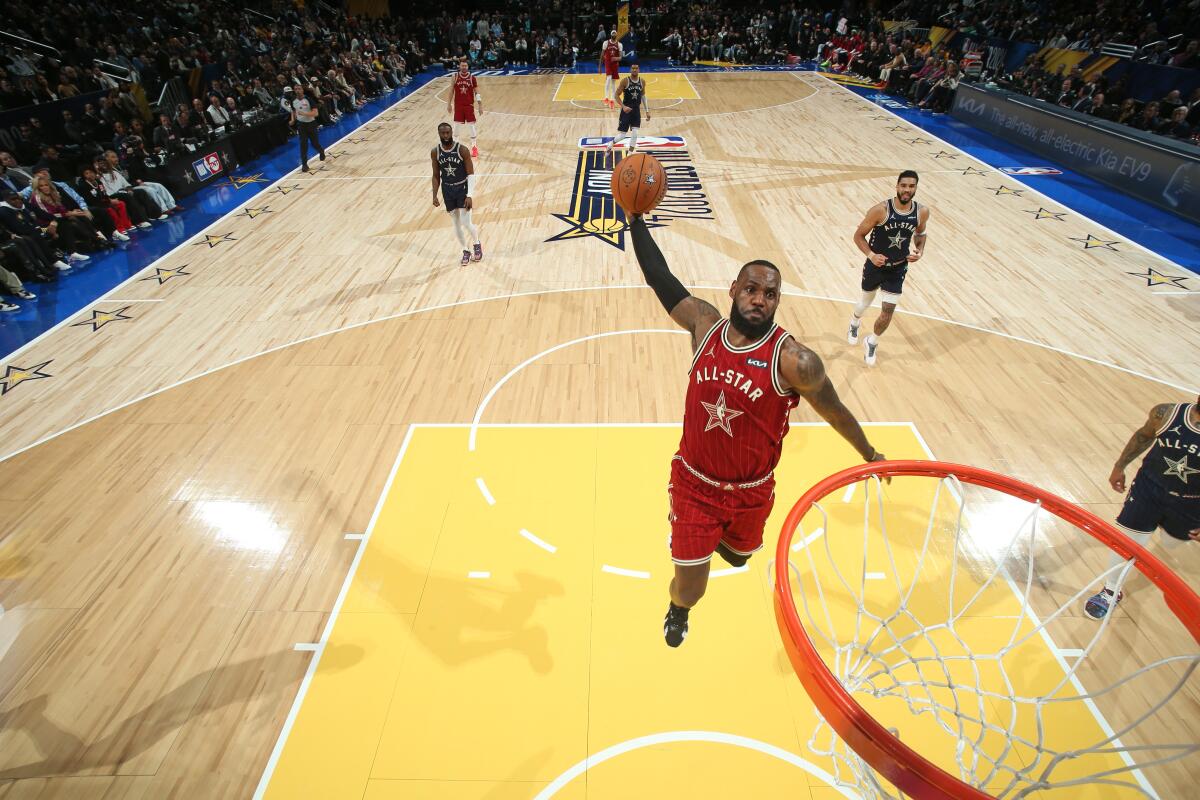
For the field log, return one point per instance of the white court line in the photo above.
(277, 751)
(849, 493)
(721, 573)
(193, 237)
(807, 540)
(593, 760)
(354, 536)
(483, 489)
(492, 392)
(305, 647)
(628, 573)
(1079, 214)
(1057, 652)
(549, 548)
(514, 295)
(687, 78)
(1070, 652)
(557, 89)
(479, 575)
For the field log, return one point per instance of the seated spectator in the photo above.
(20, 221)
(144, 173)
(73, 226)
(1148, 120)
(138, 199)
(166, 136)
(1083, 101)
(12, 177)
(99, 203)
(1177, 127)
(1127, 113)
(217, 116)
(940, 93)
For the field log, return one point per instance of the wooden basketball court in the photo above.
(308, 510)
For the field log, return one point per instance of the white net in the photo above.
(956, 620)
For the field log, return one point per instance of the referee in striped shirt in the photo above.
(304, 117)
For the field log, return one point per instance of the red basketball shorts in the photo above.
(464, 114)
(703, 515)
(613, 69)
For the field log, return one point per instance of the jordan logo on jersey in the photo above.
(720, 415)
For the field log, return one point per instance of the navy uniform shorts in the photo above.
(1149, 505)
(631, 120)
(890, 279)
(454, 196)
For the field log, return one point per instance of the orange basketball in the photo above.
(639, 183)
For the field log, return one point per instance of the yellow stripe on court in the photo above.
(659, 86)
(505, 624)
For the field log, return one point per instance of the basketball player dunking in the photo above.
(454, 171)
(747, 374)
(464, 96)
(1165, 493)
(611, 54)
(631, 95)
(897, 229)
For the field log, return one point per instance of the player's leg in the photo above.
(608, 89)
(1140, 516)
(473, 231)
(459, 228)
(746, 518)
(860, 308)
(695, 532)
(633, 138)
(303, 146)
(888, 302)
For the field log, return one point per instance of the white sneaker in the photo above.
(143, 225)
(61, 266)
(852, 335)
(164, 216)
(78, 257)
(869, 355)
(119, 237)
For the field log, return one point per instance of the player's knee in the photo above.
(887, 310)
(690, 594)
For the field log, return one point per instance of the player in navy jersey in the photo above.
(897, 238)
(630, 95)
(454, 172)
(747, 374)
(1165, 492)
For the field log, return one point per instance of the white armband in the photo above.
(470, 186)
(477, 97)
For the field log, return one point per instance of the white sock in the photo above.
(872, 340)
(458, 226)
(1115, 560)
(633, 134)
(466, 213)
(608, 87)
(863, 304)
(474, 134)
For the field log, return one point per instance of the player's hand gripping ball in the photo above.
(639, 183)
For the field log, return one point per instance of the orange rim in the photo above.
(907, 769)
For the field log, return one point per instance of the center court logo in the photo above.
(594, 212)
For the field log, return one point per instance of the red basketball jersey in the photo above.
(612, 52)
(464, 90)
(736, 412)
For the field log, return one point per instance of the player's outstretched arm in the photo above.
(1139, 443)
(691, 314)
(802, 369)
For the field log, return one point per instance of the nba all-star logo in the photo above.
(595, 214)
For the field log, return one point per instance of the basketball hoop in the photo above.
(925, 644)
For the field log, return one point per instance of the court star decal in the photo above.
(919, 141)
(163, 275)
(974, 171)
(285, 189)
(1155, 278)
(15, 376)
(239, 182)
(944, 154)
(1180, 468)
(719, 415)
(212, 241)
(254, 212)
(1092, 242)
(101, 318)
(1002, 189)
(1045, 213)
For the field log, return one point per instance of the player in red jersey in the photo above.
(747, 374)
(464, 95)
(610, 61)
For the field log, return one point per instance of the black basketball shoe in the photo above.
(675, 625)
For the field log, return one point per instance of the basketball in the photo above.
(639, 183)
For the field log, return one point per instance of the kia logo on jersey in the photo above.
(754, 362)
